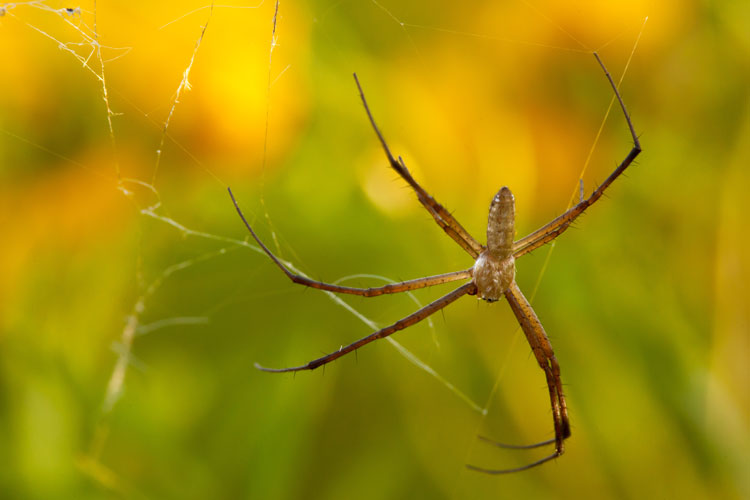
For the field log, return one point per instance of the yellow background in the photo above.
(645, 300)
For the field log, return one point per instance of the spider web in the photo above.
(94, 58)
(77, 35)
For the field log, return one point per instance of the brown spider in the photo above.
(491, 277)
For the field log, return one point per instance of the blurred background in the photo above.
(132, 308)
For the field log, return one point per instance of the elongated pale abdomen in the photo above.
(501, 224)
(495, 269)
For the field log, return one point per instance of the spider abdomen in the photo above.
(495, 268)
(501, 224)
(493, 276)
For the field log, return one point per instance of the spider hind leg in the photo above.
(545, 357)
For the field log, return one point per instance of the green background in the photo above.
(113, 254)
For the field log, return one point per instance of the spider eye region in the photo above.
(493, 275)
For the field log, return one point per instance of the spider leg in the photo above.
(545, 356)
(516, 469)
(552, 230)
(365, 292)
(517, 446)
(444, 218)
(385, 332)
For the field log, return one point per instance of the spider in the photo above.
(490, 278)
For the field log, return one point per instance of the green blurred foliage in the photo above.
(645, 301)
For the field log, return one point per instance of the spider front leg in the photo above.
(552, 230)
(444, 218)
(545, 356)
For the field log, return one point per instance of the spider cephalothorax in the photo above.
(492, 276)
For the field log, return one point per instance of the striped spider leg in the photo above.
(491, 277)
